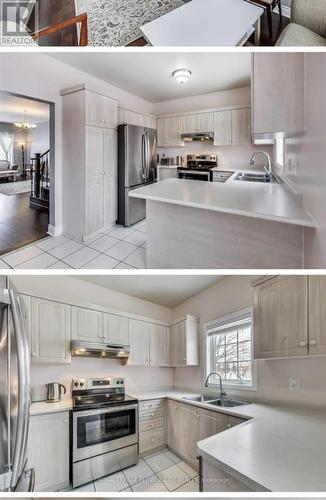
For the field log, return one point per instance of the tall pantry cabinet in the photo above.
(89, 152)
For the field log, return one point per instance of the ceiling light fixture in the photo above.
(24, 125)
(182, 75)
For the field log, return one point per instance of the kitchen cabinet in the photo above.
(89, 156)
(51, 332)
(215, 479)
(101, 111)
(166, 173)
(189, 433)
(164, 132)
(172, 424)
(86, 324)
(151, 425)
(134, 118)
(176, 126)
(139, 342)
(48, 450)
(115, 329)
(205, 122)
(184, 342)
(278, 93)
(241, 126)
(317, 315)
(188, 123)
(159, 345)
(222, 128)
(280, 317)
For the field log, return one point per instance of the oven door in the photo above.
(197, 175)
(100, 431)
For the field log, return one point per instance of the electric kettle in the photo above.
(54, 391)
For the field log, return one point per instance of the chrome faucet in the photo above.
(222, 393)
(269, 171)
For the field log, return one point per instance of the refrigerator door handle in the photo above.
(18, 462)
(143, 155)
(148, 156)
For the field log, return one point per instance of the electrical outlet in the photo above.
(294, 384)
(292, 167)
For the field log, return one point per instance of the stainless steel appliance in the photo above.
(199, 167)
(137, 166)
(14, 393)
(54, 391)
(198, 137)
(82, 348)
(104, 429)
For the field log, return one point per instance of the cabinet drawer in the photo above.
(151, 440)
(151, 404)
(149, 415)
(150, 426)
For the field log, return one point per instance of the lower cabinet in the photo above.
(48, 450)
(151, 425)
(214, 479)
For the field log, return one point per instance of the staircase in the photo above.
(40, 183)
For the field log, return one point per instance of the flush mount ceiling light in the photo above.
(182, 75)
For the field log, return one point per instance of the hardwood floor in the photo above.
(19, 224)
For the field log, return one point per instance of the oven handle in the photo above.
(85, 413)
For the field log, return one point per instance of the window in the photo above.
(6, 146)
(280, 152)
(229, 350)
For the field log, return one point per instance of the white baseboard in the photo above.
(54, 231)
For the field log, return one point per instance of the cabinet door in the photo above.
(189, 432)
(222, 128)
(188, 124)
(159, 344)
(317, 315)
(176, 124)
(278, 87)
(115, 329)
(101, 111)
(94, 180)
(280, 317)
(86, 324)
(172, 424)
(48, 450)
(139, 342)
(211, 423)
(110, 179)
(164, 132)
(50, 332)
(178, 347)
(241, 127)
(205, 122)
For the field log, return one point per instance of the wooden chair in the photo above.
(269, 6)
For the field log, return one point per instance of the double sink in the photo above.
(226, 403)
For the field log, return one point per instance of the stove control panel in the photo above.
(97, 383)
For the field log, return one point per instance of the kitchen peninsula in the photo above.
(207, 225)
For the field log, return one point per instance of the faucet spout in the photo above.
(222, 392)
(268, 170)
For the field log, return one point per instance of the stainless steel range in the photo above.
(104, 430)
(198, 167)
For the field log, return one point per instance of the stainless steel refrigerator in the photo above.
(14, 393)
(137, 166)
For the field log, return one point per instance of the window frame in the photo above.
(229, 318)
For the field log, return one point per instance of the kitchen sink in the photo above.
(244, 176)
(199, 399)
(227, 403)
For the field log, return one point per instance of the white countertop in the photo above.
(168, 166)
(250, 199)
(279, 448)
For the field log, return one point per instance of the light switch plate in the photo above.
(294, 384)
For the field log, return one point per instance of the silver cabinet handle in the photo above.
(313, 342)
(302, 343)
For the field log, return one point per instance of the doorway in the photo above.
(26, 170)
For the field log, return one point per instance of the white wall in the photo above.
(231, 294)
(67, 289)
(44, 77)
(307, 153)
(40, 139)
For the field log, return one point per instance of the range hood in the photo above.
(198, 137)
(84, 349)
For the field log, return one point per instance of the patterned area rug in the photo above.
(10, 188)
(118, 22)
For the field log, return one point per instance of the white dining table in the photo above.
(206, 23)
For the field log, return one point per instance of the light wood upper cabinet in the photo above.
(134, 118)
(241, 126)
(184, 342)
(317, 315)
(222, 128)
(115, 329)
(139, 342)
(280, 317)
(164, 132)
(48, 450)
(278, 93)
(159, 345)
(176, 125)
(205, 122)
(188, 124)
(51, 332)
(101, 111)
(86, 324)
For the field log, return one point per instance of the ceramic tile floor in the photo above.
(119, 248)
(161, 472)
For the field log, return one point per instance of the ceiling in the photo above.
(168, 291)
(12, 109)
(149, 74)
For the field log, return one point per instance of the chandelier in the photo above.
(25, 126)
